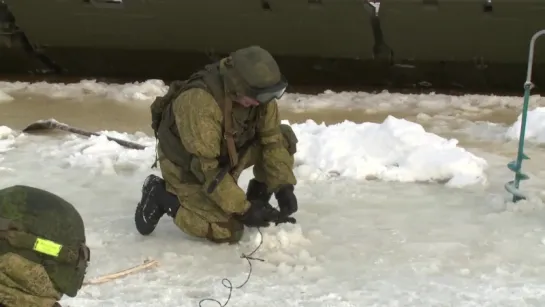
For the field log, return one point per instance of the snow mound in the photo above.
(396, 150)
(102, 155)
(535, 126)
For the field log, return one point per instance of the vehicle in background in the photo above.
(465, 45)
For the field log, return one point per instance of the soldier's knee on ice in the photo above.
(231, 233)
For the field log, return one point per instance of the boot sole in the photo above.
(143, 227)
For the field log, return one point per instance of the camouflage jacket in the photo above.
(25, 283)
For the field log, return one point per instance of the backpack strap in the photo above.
(228, 132)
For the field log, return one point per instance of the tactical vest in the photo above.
(239, 125)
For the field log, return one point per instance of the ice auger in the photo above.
(516, 166)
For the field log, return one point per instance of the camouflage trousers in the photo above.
(198, 216)
(25, 283)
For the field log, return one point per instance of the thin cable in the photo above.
(227, 283)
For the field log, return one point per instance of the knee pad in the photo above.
(228, 230)
(225, 232)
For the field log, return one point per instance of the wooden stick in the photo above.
(51, 124)
(116, 275)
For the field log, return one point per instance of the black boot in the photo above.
(257, 190)
(155, 202)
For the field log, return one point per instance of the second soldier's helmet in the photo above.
(47, 230)
(252, 71)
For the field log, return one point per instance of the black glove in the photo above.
(287, 202)
(260, 214)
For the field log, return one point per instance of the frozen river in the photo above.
(401, 201)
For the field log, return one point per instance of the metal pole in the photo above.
(531, 55)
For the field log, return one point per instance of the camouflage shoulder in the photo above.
(197, 102)
(271, 106)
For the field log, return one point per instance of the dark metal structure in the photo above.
(468, 45)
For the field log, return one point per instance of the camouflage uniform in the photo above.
(194, 146)
(42, 248)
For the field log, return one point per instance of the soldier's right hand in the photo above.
(260, 214)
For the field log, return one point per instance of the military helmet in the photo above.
(46, 229)
(252, 71)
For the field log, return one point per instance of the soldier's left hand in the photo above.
(287, 202)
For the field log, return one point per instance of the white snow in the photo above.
(396, 150)
(5, 97)
(535, 126)
(392, 241)
(98, 154)
(138, 91)
(385, 101)
(6, 138)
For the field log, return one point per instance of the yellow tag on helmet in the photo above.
(47, 247)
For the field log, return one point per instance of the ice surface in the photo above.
(372, 244)
(386, 242)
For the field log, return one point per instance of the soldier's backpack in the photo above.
(161, 102)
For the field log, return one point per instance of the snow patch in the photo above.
(396, 150)
(535, 126)
(5, 97)
(137, 91)
(99, 154)
(7, 139)
(385, 101)
(278, 239)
